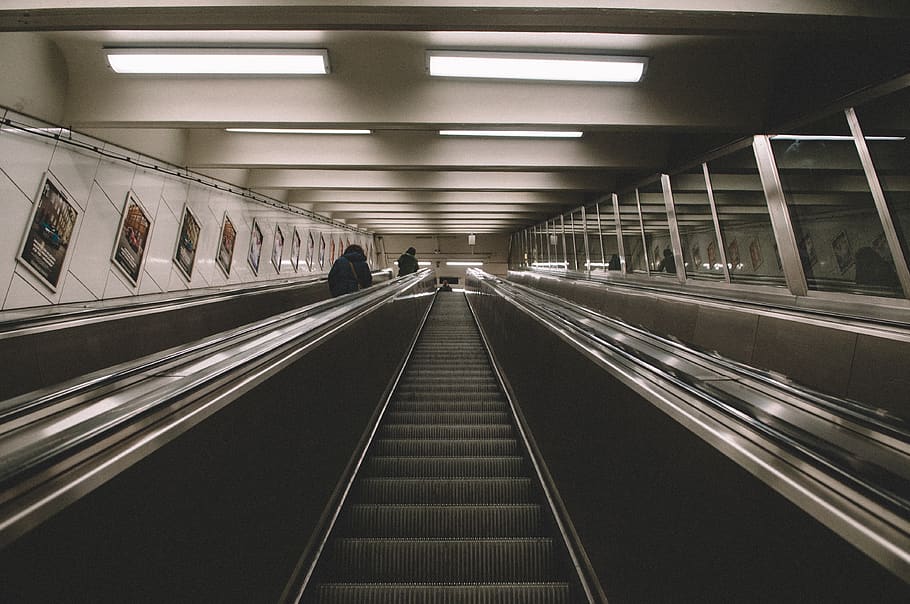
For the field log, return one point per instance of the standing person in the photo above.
(350, 272)
(407, 262)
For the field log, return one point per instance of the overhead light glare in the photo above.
(464, 263)
(215, 61)
(515, 133)
(536, 66)
(823, 137)
(298, 131)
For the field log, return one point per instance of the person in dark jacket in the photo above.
(350, 272)
(407, 262)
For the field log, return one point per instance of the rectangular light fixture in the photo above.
(463, 263)
(536, 66)
(218, 61)
(833, 137)
(515, 133)
(298, 131)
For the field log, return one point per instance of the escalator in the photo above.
(446, 506)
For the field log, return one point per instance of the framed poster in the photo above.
(843, 251)
(332, 250)
(295, 250)
(277, 248)
(321, 252)
(49, 233)
(132, 238)
(226, 245)
(255, 247)
(755, 254)
(187, 242)
(310, 246)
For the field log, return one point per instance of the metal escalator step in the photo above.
(476, 406)
(444, 490)
(447, 417)
(444, 560)
(445, 467)
(406, 447)
(443, 521)
(477, 593)
(474, 382)
(449, 431)
(427, 395)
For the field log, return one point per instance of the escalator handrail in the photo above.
(209, 378)
(68, 316)
(888, 541)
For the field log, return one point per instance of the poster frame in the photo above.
(48, 179)
(132, 200)
(295, 250)
(277, 248)
(225, 223)
(321, 252)
(187, 271)
(255, 237)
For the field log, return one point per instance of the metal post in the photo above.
(600, 235)
(620, 243)
(584, 229)
(881, 204)
(780, 216)
(644, 239)
(574, 241)
(673, 225)
(565, 253)
(717, 233)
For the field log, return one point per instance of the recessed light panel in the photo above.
(536, 66)
(218, 61)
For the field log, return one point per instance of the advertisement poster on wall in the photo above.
(277, 247)
(226, 245)
(295, 250)
(310, 246)
(50, 230)
(321, 252)
(332, 250)
(187, 243)
(129, 250)
(255, 247)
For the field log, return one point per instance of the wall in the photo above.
(34, 75)
(491, 249)
(96, 186)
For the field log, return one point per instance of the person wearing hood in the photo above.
(350, 272)
(407, 262)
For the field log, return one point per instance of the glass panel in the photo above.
(576, 243)
(657, 229)
(596, 256)
(834, 217)
(696, 224)
(886, 126)
(636, 256)
(745, 224)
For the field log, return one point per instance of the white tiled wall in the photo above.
(98, 186)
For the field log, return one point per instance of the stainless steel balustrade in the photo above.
(59, 443)
(845, 465)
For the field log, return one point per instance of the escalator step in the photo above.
(443, 432)
(444, 560)
(447, 417)
(454, 396)
(443, 521)
(445, 467)
(402, 447)
(444, 490)
(476, 406)
(409, 593)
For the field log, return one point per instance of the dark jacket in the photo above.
(407, 264)
(342, 279)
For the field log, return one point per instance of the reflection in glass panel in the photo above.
(696, 224)
(886, 127)
(837, 227)
(657, 229)
(745, 224)
(636, 255)
(610, 253)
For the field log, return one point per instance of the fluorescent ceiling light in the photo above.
(514, 133)
(536, 66)
(463, 263)
(298, 131)
(821, 137)
(218, 61)
(423, 263)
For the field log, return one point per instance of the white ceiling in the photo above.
(715, 74)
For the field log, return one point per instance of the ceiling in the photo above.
(715, 74)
